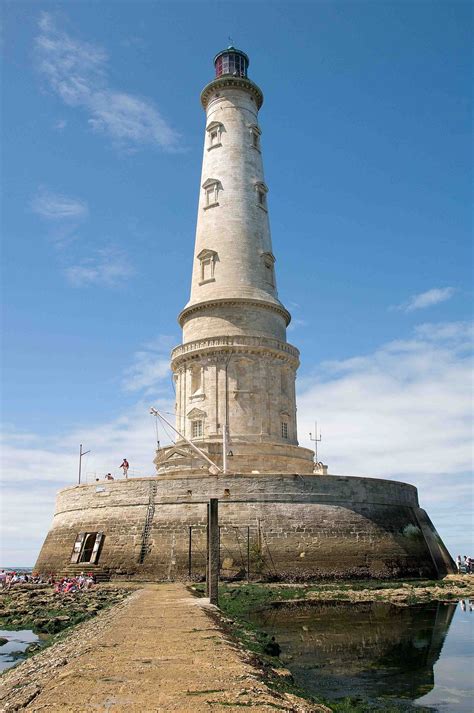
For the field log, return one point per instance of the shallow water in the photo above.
(18, 642)
(421, 655)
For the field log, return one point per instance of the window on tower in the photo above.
(197, 429)
(214, 135)
(262, 191)
(211, 192)
(255, 134)
(268, 263)
(285, 424)
(207, 260)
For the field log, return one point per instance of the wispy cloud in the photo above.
(57, 206)
(404, 409)
(150, 365)
(296, 323)
(427, 299)
(60, 124)
(77, 72)
(106, 267)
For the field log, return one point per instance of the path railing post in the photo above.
(213, 551)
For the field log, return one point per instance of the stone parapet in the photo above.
(254, 455)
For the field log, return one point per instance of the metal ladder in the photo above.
(145, 546)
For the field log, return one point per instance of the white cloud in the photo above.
(107, 268)
(77, 72)
(427, 299)
(150, 366)
(405, 409)
(57, 206)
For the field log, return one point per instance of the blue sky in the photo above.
(366, 140)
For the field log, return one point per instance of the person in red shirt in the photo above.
(125, 466)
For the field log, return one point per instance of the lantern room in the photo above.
(231, 62)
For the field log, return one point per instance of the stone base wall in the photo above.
(291, 526)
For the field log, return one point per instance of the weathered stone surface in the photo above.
(298, 527)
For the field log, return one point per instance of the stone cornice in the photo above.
(229, 81)
(273, 306)
(238, 343)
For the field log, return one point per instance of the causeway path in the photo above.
(158, 650)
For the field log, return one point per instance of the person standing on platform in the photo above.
(125, 466)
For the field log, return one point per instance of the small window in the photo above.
(197, 429)
(211, 191)
(268, 263)
(262, 191)
(207, 269)
(284, 429)
(214, 134)
(211, 195)
(255, 136)
(208, 259)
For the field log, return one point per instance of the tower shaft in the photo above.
(234, 369)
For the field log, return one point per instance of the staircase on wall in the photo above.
(150, 513)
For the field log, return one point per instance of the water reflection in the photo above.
(369, 650)
(16, 644)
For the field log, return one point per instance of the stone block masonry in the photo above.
(299, 527)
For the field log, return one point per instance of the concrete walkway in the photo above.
(157, 651)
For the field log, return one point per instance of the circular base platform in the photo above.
(278, 526)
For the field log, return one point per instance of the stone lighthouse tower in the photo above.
(234, 377)
(234, 372)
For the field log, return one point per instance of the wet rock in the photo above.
(3, 641)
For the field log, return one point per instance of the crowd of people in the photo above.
(74, 584)
(466, 565)
(10, 578)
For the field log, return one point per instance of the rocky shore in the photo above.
(37, 607)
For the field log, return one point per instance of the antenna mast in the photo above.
(316, 440)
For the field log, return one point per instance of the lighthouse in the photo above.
(234, 376)
(234, 372)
